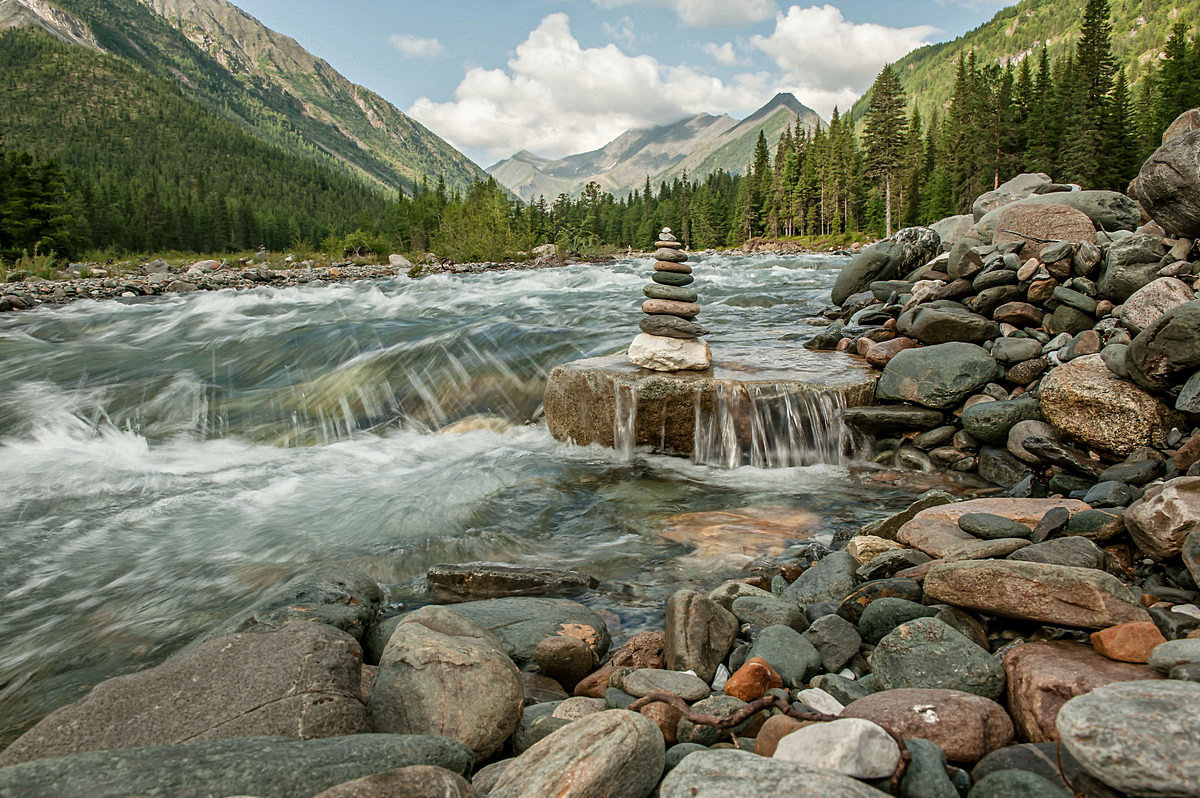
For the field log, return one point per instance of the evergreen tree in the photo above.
(883, 134)
(1088, 154)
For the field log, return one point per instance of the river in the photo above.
(163, 463)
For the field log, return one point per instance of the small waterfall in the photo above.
(625, 420)
(771, 426)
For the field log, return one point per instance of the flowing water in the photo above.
(164, 463)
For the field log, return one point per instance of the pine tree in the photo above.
(1087, 156)
(1122, 142)
(883, 134)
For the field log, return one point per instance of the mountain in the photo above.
(698, 145)
(265, 82)
(1139, 29)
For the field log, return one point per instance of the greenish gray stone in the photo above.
(617, 699)
(926, 775)
(876, 419)
(718, 705)
(1096, 525)
(991, 421)
(835, 639)
(940, 325)
(1016, 784)
(1078, 552)
(992, 527)
(644, 681)
(771, 611)
(791, 656)
(1131, 263)
(883, 615)
(675, 293)
(1076, 300)
(1167, 352)
(831, 579)
(720, 774)
(1066, 319)
(926, 652)
(672, 278)
(1168, 655)
(268, 767)
(522, 622)
(937, 377)
(1015, 350)
(677, 752)
(847, 691)
(537, 721)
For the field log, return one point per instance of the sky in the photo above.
(557, 77)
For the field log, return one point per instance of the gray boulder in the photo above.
(927, 652)
(952, 229)
(262, 766)
(938, 376)
(1132, 263)
(831, 579)
(1168, 185)
(933, 324)
(699, 633)
(522, 622)
(301, 681)
(1108, 210)
(886, 260)
(719, 774)
(991, 421)
(1166, 353)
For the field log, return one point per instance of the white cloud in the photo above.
(722, 53)
(709, 13)
(415, 47)
(622, 32)
(830, 60)
(557, 97)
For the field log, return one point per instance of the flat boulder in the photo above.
(261, 766)
(301, 681)
(1142, 738)
(722, 773)
(937, 377)
(1085, 401)
(1037, 225)
(615, 753)
(1044, 676)
(967, 727)
(484, 580)
(1168, 186)
(935, 530)
(1055, 594)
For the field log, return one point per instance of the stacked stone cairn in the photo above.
(670, 338)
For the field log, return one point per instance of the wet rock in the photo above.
(886, 260)
(521, 623)
(938, 376)
(1055, 594)
(239, 766)
(615, 753)
(852, 746)
(719, 774)
(831, 579)
(699, 633)
(965, 726)
(1167, 353)
(1139, 737)
(417, 781)
(792, 656)
(1044, 676)
(989, 526)
(339, 597)
(1168, 185)
(1087, 402)
(752, 680)
(1076, 552)
(884, 418)
(883, 615)
(428, 683)
(887, 528)
(1128, 642)
(935, 530)
(1163, 518)
(301, 681)
(564, 659)
(891, 563)
(928, 653)
(480, 580)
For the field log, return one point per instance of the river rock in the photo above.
(874, 419)
(888, 527)
(1189, 398)
(644, 681)
(1087, 402)
(1047, 760)
(788, 653)
(1054, 594)
(1166, 514)
(1139, 737)
(989, 526)
(1016, 350)
(661, 353)
(1073, 551)
(935, 530)
(883, 615)
(721, 706)
(675, 293)
(1128, 642)
(1168, 185)
(768, 611)
(1167, 352)
(835, 639)
(699, 633)
(1132, 262)
(991, 421)
(831, 579)
(615, 753)
(721, 773)
(670, 255)
(928, 653)
(751, 681)
(853, 746)
(520, 623)
(952, 228)
(926, 775)
(1044, 676)
(343, 598)
(263, 766)
(300, 681)
(1107, 210)
(1021, 222)
(851, 607)
(965, 726)
(937, 377)
(670, 307)
(1172, 653)
(673, 278)
(1152, 301)
(417, 781)
(1017, 784)
(564, 659)
(483, 580)
(428, 683)
(665, 326)
(931, 324)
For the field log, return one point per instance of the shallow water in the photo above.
(164, 463)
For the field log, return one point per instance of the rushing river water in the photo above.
(163, 463)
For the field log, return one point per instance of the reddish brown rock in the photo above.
(1128, 642)
(642, 651)
(752, 680)
(1037, 225)
(773, 730)
(965, 726)
(666, 717)
(1188, 454)
(1044, 676)
(1019, 314)
(935, 531)
(879, 354)
(1041, 290)
(687, 310)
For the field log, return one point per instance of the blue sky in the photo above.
(562, 76)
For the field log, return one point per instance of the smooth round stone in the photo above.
(885, 614)
(687, 310)
(762, 611)
(1016, 784)
(676, 293)
(672, 278)
(669, 255)
(676, 753)
(721, 773)
(645, 681)
(672, 267)
(851, 746)
(851, 607)
(1187, 672)
(1173, 653)
(672, 244)
(992, 527)
(671, 326)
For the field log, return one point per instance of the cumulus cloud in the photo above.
(830, 60)
(709, 13)
(722, 53)
(557, 97)
(415, 47)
